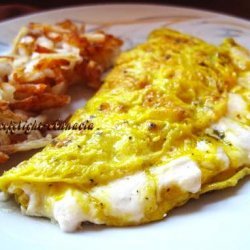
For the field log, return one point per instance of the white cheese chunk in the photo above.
(203, 146)
(124, 196)
(68, 213)
(183, 172)
(236, 105)
(236, 134)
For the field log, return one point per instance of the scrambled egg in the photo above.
(170, 122)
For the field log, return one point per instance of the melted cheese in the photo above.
(237, 135)
(68, 213)
(183, 172)
(203, 146)
(124, 196)
(236, 105)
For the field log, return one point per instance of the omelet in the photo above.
(170, 122)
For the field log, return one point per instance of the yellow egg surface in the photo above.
(170, 122)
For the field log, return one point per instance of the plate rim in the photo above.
(71, 8)
(171, 6)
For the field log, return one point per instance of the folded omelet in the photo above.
(171, 122)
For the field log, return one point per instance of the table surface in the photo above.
(240, 8)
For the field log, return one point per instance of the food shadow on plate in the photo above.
(15, 159)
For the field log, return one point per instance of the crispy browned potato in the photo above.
(44, 62)
(41, 102)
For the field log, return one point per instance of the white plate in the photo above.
(218, 220)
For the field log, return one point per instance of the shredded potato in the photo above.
(45, 60)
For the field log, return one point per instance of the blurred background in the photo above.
(9, 9)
